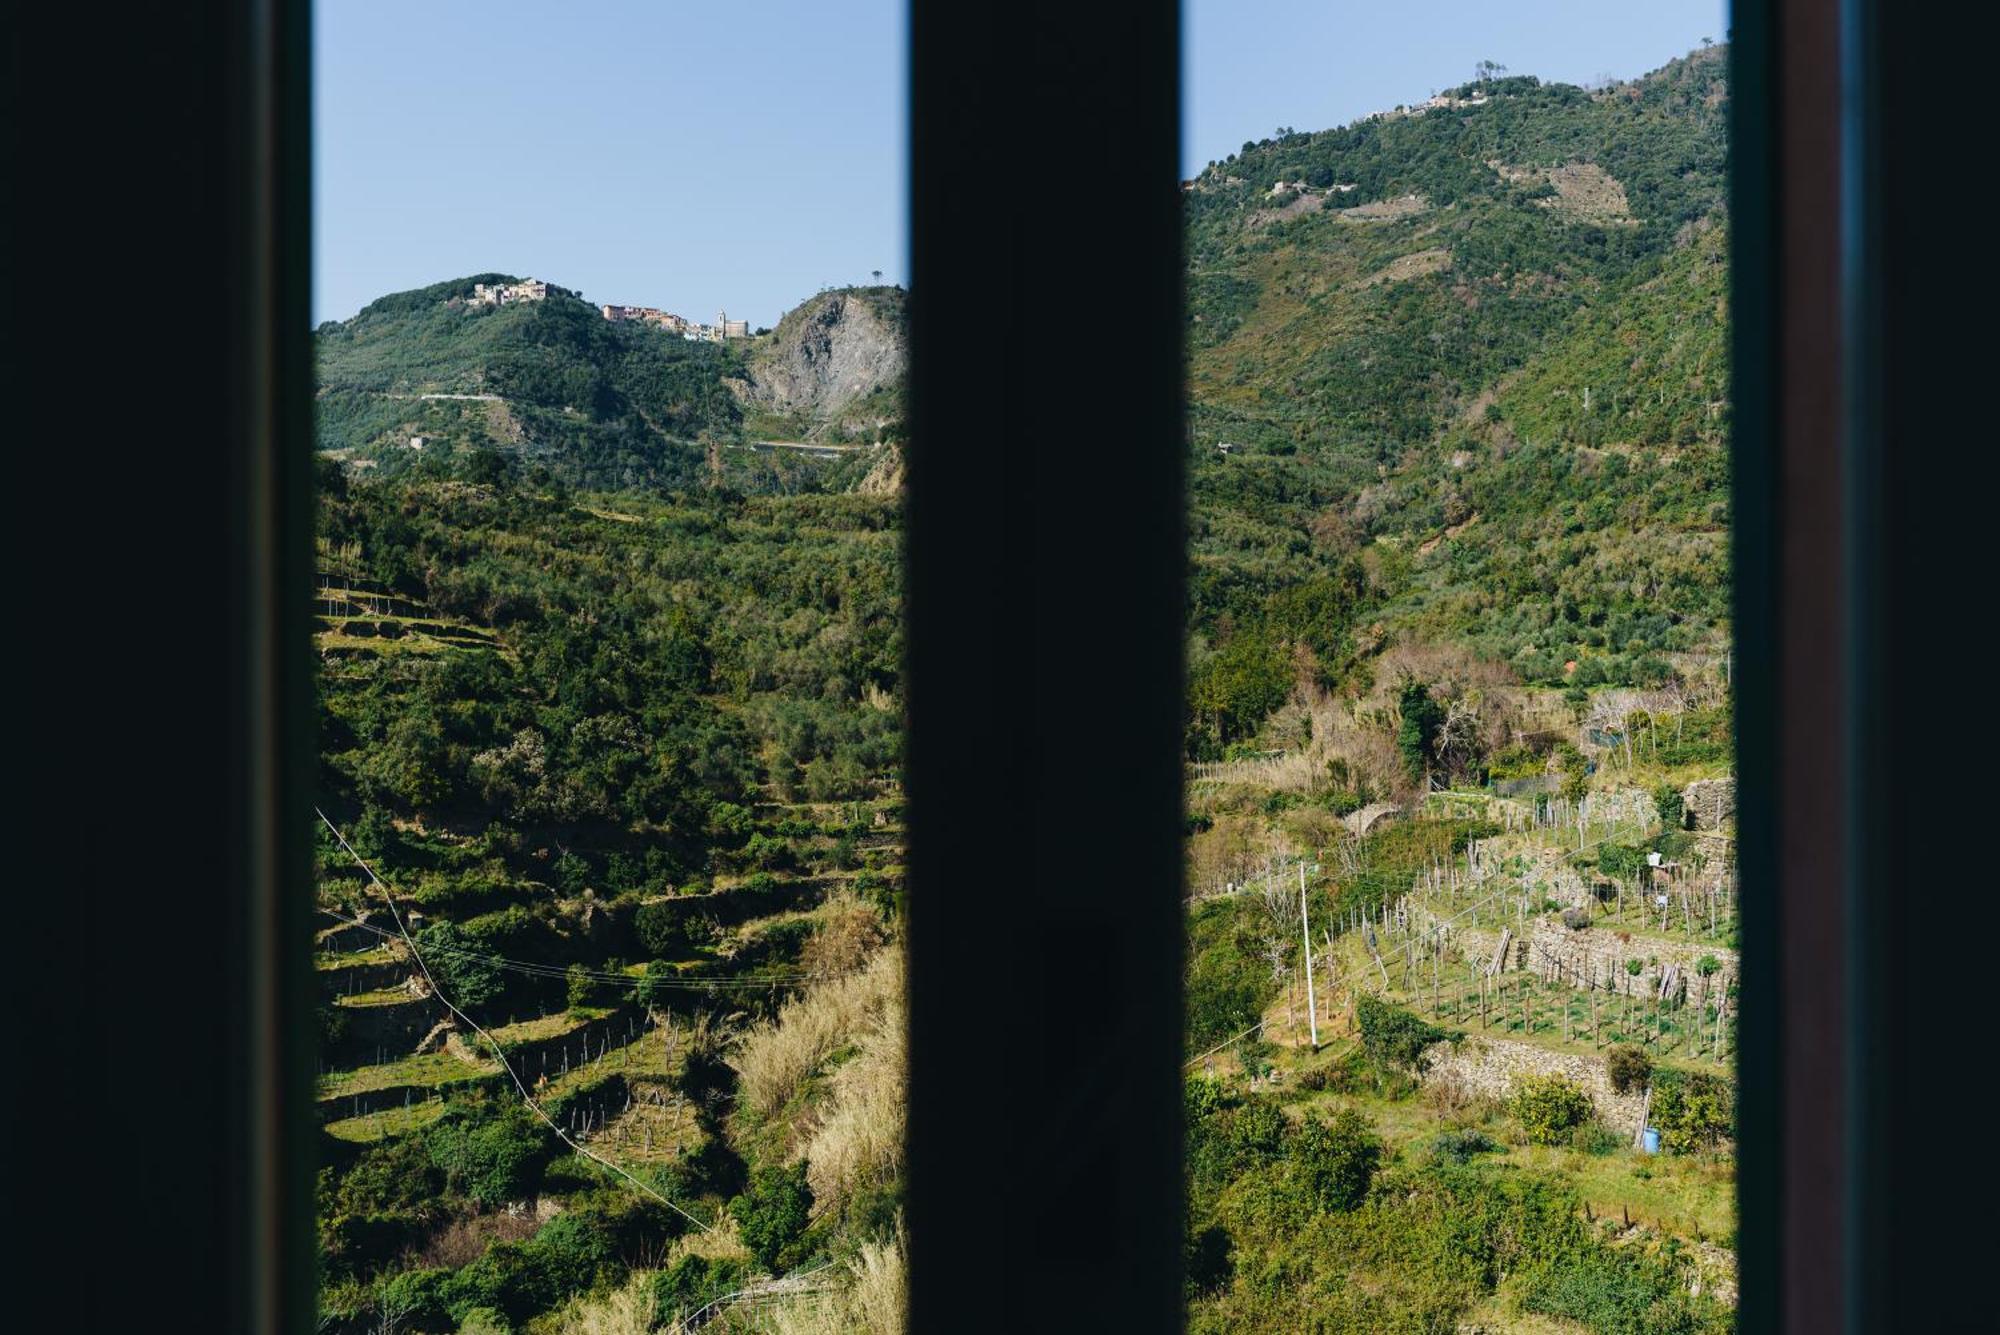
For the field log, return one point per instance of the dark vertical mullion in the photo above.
(1045, 567)
(157, 329)
(1812, 641)
(271, 571)
(1753, 207)
(1921, 498)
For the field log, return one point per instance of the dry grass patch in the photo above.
(776, 1059)
(623, 1311)
(859, 1142)
(850, 930)
(871, 1303)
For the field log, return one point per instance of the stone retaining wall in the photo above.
(338, 1107)
(347, 980)
(1711, 803)
(1597, 955)
(395, 1027)
(348, 937)
(1488, 1067)
(544, 1056)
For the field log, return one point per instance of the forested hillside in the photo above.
(1462, 919)
(1478, 397)
(628, 770)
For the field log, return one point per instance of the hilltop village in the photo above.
(534, 289)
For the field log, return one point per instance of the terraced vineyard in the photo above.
(1476, 960)
(577, 876)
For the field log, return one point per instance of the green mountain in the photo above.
(1458, 631)
(604, 403)
(1458, 373)
(552, 385)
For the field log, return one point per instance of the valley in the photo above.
(610, 705)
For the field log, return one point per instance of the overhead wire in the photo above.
(499, 1054)
(693, 982)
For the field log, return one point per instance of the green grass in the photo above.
(546, 1026)
(387, 996)
(428, 1068)
(388, 1123)
(1692, 1196)
(382, 954)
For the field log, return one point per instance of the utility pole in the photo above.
(1305, 926)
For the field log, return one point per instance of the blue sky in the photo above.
(688, 155)
(744, 155)
(1251, 66)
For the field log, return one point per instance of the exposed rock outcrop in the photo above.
(837, 362)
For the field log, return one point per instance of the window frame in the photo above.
(1845, 329)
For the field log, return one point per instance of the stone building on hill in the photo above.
(506, 294)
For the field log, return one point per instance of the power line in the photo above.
(1223, 1044)
(700, 982)
(389, 898)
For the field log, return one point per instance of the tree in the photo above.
(1392, 1036)
(1332, 1163)
(491, 1157)
(1667, 800)
(468, 978)
(1422, 716)
(663, 928)
(1549, 1107)
(655, 985)
(1628, 1068)
(774, 1212)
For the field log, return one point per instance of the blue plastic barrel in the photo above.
(1651, 1140)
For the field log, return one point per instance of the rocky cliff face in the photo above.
(835, 364)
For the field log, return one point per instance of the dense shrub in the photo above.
(1459, 1146)
(1331, 1163)
(1694, 1110)
(457, 960)
(1620, 859)
(579, 987)
(490, 1155)
(1667, 800)
(573, 1252)
(416, 1300)
(1621, 1293)
(690, 1282)
(1549, 1107)
(655, 988)
(665, 928)
(381, 1204)
(774, 1212)
(1227, 1137)
(1392, 1036)
(1628, 1067)
(1416, 736)
(1594, 1137)
(768, 853)
(1228, 986)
